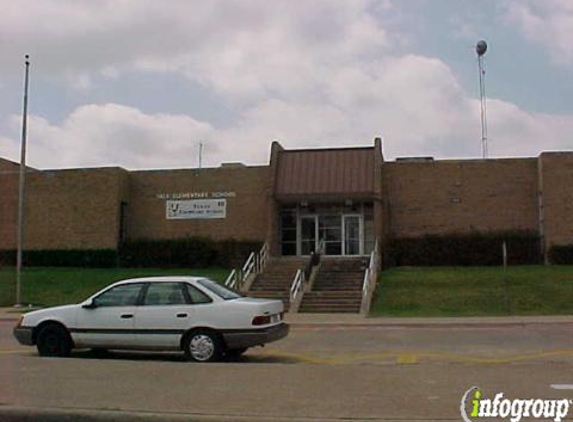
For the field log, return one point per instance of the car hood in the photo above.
(58, 313)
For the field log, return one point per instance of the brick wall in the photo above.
(8, 166)
(556, 188)
(80, 208)
(8, 210)
(73, 209)
(247, 212)
(461, 196)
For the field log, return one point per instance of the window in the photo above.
(123, 295)
(196, 295)
(164, 294)
(288, 231)
(218, 289)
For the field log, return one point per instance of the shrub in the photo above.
(192, 252)
(561, 254)
(478, 248)
(96, 258)
(188, 252)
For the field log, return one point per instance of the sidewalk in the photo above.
(355, 320)
(318, 320)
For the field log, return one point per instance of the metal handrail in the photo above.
(297, 285)
(366, 282)
(262, 257)
(249, 266)
(255, 263)
(321, 246)
(232, 280)
(372, 270)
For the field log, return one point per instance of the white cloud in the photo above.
(548, 23)
(318, 73)
(111, 134)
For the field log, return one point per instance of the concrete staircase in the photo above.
(275, 281)
(337, 288)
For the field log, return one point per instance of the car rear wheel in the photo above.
(203, 346)
(54, 340)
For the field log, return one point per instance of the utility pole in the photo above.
(200, 154)
(21, 188)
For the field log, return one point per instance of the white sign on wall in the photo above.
(196, 209)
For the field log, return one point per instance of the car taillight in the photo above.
(20, 321)
(261, 320)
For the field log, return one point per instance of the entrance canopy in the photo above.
(327, 174)
(325, 199)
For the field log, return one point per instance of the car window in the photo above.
(196, 295)
(218, 289)
(164, 294)
(123, 295)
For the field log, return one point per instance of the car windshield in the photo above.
(219, 290)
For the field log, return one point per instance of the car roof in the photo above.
(161, 279)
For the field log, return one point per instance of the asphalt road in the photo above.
(330, 373)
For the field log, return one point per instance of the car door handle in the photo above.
(126, 316)
(182, 315)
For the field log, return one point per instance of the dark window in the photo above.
(219, 290)
(288, 231)
(123, 295)
(196, 295)
(164, 294)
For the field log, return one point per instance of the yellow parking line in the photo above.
(407, 359)
(413, 357)
(8, 352)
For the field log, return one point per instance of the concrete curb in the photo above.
(428, 324)
(32, 414)
(332, 320)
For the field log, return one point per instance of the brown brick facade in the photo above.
(82, 208)
(556, 198)
(441, 197)
(246, 210)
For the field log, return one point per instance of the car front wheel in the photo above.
(203, 346)
(54, 340)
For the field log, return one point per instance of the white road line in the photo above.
(562, 386)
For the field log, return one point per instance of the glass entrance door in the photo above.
(308, 229)
(352, 235)
(330, 230)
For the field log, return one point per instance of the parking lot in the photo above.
(330, 372)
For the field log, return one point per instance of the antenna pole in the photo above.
(20, 239)
(483, 108)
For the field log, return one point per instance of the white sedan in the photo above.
(193, 314)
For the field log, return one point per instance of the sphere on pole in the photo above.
(481, 48)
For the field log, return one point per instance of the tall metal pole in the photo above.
(200, 154)
(483, 109)
(481, 48)
(21, 188)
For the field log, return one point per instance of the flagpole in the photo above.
(21, 188)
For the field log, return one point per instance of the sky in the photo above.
(141, 83)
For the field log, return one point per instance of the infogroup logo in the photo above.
(479, 407)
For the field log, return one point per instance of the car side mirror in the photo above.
(90, 305)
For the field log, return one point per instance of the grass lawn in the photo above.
(56, 286)
(474, 291)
